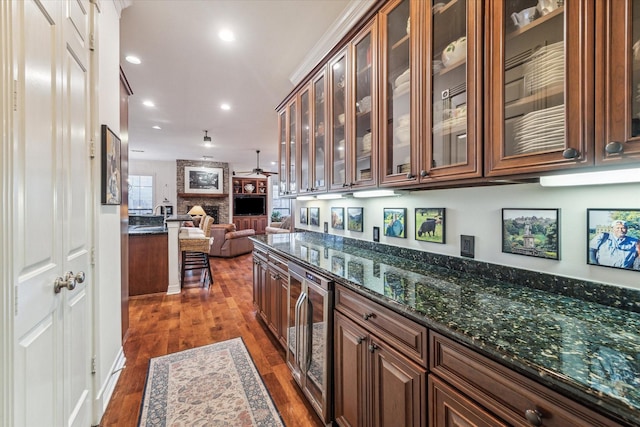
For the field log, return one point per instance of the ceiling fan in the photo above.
(258, 170)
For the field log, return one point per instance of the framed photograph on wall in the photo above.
(355, 219)
(531, 232)
(337, 218)
(111, 172)
(303, 216)
(395, 222)
(430, 225)
(613, 238)
(203, 180)
(314, 216)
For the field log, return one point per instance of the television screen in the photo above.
(250, 205)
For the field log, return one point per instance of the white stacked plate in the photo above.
(545, 68)
(540, 130)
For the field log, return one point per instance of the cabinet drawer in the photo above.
(279, 263)
(504, 392)
(260, 252)
(407, 336)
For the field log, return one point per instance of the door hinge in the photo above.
(93, 365)
(15, 300)
(92, 41)
(93, 256)
(15, 95)
(92, 149)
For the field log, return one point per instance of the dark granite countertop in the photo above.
(138, 230)
(581, 348)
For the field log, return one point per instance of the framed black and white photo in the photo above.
(337, 218)
(613, 238)
(303, 216)
(203, 180)
(430, 225)
(355, 219)
(531, 232)
(111, 173)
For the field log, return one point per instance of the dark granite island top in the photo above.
(584, 349)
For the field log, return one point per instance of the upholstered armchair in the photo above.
(279, 227)
(229, 242)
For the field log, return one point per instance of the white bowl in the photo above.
(341, 119)
(403, 133)
(454, 52)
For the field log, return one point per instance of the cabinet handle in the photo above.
(372, 347)
(533, 416)
(360, 340)
(410, 175)
(366, 316)
(424, 173)
(570, 153)
(614, 147)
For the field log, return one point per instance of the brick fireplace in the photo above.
(216, 206)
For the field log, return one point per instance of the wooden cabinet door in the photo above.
(399, 388)
(350, 372)
(319, 151)
(448, 408)
(618, 124)
(257, 301)
(304, 147)
(263, 307)
(283, 312)
(540, 88)
(338, 123)
(272, 294)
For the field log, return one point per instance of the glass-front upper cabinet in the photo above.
(338, 124)
(618, 117)
(451, 147)
(397, 121)
(305, 140)
(283, 154)
(318, 160)
(292, 134)
(540, 85)
(364, 134)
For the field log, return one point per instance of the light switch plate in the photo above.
(467, 246)
(376, 234)
(326, 227)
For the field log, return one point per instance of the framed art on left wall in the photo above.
(111, 173)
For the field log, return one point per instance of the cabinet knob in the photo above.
(533, 416)
(570, 153)
(360, 340)
(614, 147)
(366, 316)
(410, 175)
(372, 347)
(424, 173)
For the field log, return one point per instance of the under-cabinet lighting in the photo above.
(621, 176)
(329, 196)
(376, 193)
(305, 198)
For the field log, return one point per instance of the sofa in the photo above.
(283, 226)
(229, 242)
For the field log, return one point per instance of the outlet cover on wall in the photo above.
(376, 234)
(467, 246)
(326, 227)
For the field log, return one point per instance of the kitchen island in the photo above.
(579, 339)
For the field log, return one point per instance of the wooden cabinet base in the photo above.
(148, 264)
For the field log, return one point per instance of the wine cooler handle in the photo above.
(297, 326)
(309, 334)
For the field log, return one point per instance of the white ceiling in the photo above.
(187, 71)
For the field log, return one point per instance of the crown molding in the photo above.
(352, 13)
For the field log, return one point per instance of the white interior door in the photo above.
(52, 210)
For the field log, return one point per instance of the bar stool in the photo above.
(194, 250)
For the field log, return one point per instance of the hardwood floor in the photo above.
(161, 324)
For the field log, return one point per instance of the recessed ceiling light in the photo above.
(133, 59)
(225, 107)
(137, 151)
(148, 103)
(156, 127)
(208, 144)
(226, 35)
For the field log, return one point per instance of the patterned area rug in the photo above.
(213, 385)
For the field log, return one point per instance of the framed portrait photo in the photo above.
(337, 218)
(355, 219)
(531, 232)
(613, 238)
(395, 222)
(314, 216)
(111, 172)
(303, 216)
(203, 180)
(430, 225)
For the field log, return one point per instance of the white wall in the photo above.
(107, 312)
(477, 212)
(164, 178)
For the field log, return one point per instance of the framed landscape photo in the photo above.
(203, 180)
(303, 216)
(613, 238)
(355, 219)
(111, 172)
(395, 222)
(531, 232)
(337, 218)
(430, 225)
(314, 216)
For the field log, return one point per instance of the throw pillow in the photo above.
(286, 223)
